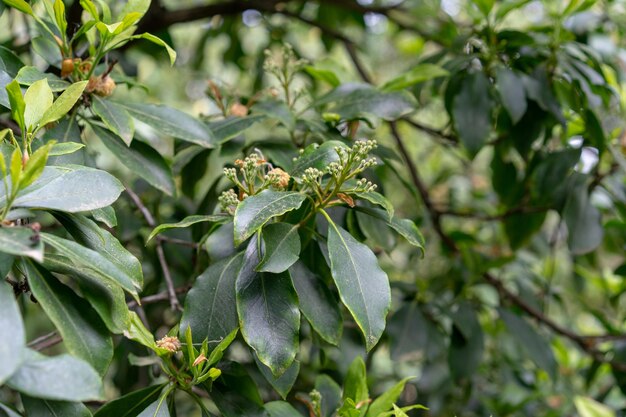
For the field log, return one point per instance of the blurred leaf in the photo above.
(114, 117)
(131, 404)
(188, 221)
(21, 241)
(588, 407)
(11, 333)
(63, 378)
(36, 407)
(416, 75)
(512, 93)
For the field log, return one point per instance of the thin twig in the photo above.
(174, 303)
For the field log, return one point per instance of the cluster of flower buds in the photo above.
(288, 65)
(312, 175)
(277, 178)
(169, 343)
(228, 201)
(364, 186)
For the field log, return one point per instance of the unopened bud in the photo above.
(67, 67)
(239, 110)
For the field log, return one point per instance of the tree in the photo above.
(253, 249)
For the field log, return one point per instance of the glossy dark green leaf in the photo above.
(188, 221)
(84, 334)
(158, 408)
(236, 394)
(331, 394)
(269, 317)
(94, 263)
(355, 385)
(466, 343)
(283, 383)
(256, 210)
(21, 241)
(471, 112)
(172, 122)
(140, 159)
(512, 93)
(210, 307)
(536, 347)
(363, 285)
(115, 117)
(317, 303)
(317, 156)
(282, 247)
(378, 199)
(89, 234)
(281, 409)
(131, 404)
(69, 188)
(227, 129)
(11, 332)
(418, 74)
(36, 407)
(63, 378)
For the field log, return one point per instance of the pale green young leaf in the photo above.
(20, 5)
(16, 101)
(38, 99)
(35, 165)
(16, 169)
(156, 40)
(59, 15)
(64, 103)
(65, 148)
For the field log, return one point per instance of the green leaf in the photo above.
(140, 159)
(256, 210)
(92, 262)
(315, 156)
(84, 334)
(386, 401)
(35, 165)
(355, 385)
(36, 407)
(512, 93)
(188, 221)
(283, 383)
(17, 103)
(416, 75)
(65, 148)
(59, 15)
(585, 231)
(29, 75)
(588, 407)
(323, 75)
(471, 112)
(158, 41)
(69, 188)
(20, 5)
(64, 103)
(278, 110)
(317, 303)
(87, 233)
(38, 99)
(8, 412)
(378, 199)
(536, 347)
(281, 409)
(210, 307)
(115, 117)
(138, 332)
(404, 227)
(11, 333)
(172, 122)
(130, 405)
(156, 409)
(269, 318)
(354, 101)
(231, 127)
(484, 6)
(21, 241)
(218, 351)
(282, 247)
(331, 394)
(363, 285)
(466, 343)
(63, 378)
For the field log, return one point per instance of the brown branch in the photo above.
(174, 303)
